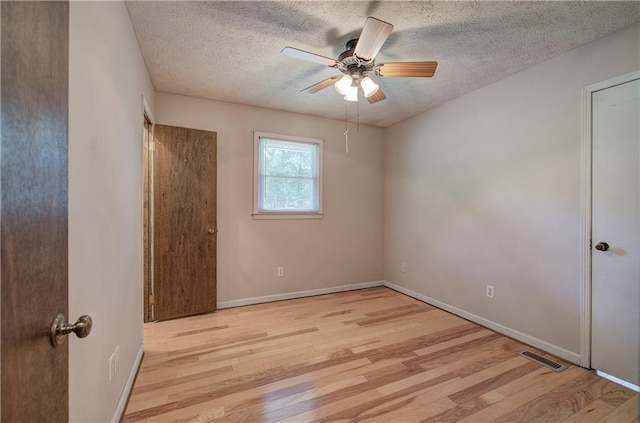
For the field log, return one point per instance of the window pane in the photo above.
(289, 158)
(287, 175)
(289, 194)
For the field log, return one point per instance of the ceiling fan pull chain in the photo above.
(346, 140)
(346, 127)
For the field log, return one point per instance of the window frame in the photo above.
(257, 213)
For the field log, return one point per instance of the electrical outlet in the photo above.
(112, 366)
(116, 353)
(280, 272)
(403, 267)
(490, 291)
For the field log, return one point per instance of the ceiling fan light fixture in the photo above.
(352, 94)
(369, 87)
(343, 85)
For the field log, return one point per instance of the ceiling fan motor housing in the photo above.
(350, 64)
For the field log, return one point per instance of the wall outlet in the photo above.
(280, 272)
(116, 353)
(112, 366)
(403, 267)
(490, 291)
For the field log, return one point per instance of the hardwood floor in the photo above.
(372, 355)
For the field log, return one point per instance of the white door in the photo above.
(615, 314)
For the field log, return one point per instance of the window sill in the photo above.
(287, 216)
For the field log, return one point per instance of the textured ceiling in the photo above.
(230, 50)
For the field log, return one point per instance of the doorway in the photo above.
(147, 214)
(611, 300)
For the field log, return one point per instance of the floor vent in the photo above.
(557, 367)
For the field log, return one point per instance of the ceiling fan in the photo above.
(358, 61)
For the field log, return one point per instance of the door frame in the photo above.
(586, 209)
(146, 113)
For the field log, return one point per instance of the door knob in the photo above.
(212, 231)
(602, 246)
(60, 328)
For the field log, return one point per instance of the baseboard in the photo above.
(618, 381)
(298, 294)
(128, 387)
(504, 330)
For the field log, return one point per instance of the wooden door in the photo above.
(185, 222)
(616, 222)
(33, 250)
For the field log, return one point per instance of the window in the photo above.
(288, 177)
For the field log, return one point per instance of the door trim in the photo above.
(586, 180)
(146, 112)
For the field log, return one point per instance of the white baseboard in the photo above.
(122, 403)
(298, 294)
(512, 333)
(618, 381)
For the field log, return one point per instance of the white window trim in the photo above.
(257, 214)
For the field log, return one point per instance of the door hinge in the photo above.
(152, 299)
(152, 146)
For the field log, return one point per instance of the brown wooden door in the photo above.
(34, 232)
(185, 222)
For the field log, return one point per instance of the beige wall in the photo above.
(485, 189)
(107, 78)
(343, 248)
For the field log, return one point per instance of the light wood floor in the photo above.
(362, 356)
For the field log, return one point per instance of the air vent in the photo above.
(556, 367)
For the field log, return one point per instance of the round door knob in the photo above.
(60, 329)
(602, 246)
(212, 231)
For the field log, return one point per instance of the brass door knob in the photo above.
(60, 328)
(212, 231)
(602, 246)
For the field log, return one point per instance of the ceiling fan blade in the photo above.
(373, 36)
(424, 69)
(305, 55)
(378, 96)
(321, 85)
